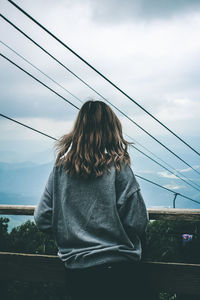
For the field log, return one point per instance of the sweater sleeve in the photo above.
(130, 204)
(43, 211)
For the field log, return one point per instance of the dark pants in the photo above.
(109, 282)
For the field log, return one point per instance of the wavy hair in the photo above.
(95, 142)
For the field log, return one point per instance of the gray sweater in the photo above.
(94, 221)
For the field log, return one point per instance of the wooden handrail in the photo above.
(154, 214)
(174, 277)
(17, 209)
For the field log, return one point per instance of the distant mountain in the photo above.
(11, 156)
(43, 157)
(17, 157)
(15, 166)
(23, 180)
(23, 184)
(17, 199)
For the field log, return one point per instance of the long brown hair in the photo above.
(94, 143)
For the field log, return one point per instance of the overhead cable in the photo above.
(81, 101)
(53, 80)
(160, 159)
(49, 54)
(29, 127)
(103, 76)
(177, 176)
(136, 124)
(39, 81)
(53, 138)
(143, 178)
(50, 88)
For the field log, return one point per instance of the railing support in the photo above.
(174, 200)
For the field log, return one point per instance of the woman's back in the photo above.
(96, 220)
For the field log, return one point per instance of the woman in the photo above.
(93, 205)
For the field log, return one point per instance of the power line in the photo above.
(48, 53)
(26, 60)
(143, 178)
(53, 138)
(154, 154)
(48, 87)
(165, 168)
(176, 172)
(81, 101)
(103, 76)
(53, 57)
(29, 127)
(39, 81)
(136, 124)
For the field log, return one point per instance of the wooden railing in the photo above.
(154, 214)
(175, 277)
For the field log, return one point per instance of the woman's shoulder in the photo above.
(125, 170)
(125, 176)
(58, 170)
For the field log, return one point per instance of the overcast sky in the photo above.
(150, 49)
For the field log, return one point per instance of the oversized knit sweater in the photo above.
(94, 221)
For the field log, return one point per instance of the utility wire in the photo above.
(26, 60)
(103, 76)
(39, 81)
(134, 147)
(53, 138)
(49, 54)
(156, 156)
(133, 141)
(100, 95)
(143, 178)
(29, 127)
(153, 154)
(81, 101)
(78, 108)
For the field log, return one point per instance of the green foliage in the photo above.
(4, 235)
(26, 238)
(167, 296)
(164, 241)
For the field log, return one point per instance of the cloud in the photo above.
(165, 174)
(146, 171)
(179, 109)
(196, 167)
(13, 131)
(126, 10)
(173, 186)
